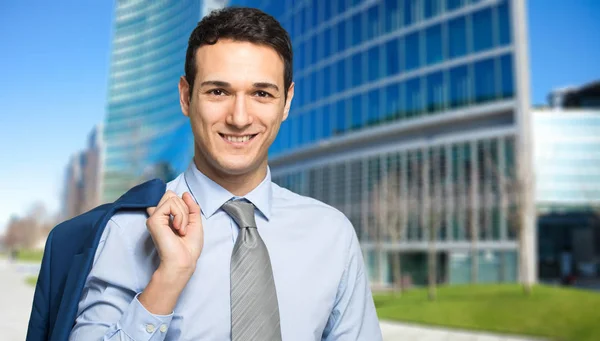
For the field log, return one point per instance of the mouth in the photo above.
(238, 140)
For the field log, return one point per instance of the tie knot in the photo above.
(241, 211)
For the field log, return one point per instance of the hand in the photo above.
(176, 229)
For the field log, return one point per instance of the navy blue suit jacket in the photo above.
(68, 258)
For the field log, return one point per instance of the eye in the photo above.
(261, 93)
(216, 92)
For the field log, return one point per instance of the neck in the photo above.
(236, 184)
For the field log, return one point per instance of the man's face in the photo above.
(237, 105)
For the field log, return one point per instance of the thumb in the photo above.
(191, 204)
(150, 210)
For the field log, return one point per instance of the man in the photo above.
(227, 254)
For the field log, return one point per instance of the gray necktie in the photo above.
(254, 308)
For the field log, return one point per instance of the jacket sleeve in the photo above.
(109, 308)
(38, 320)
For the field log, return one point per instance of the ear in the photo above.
(288, 102)
(184, 96)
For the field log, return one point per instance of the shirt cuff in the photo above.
(140, 324)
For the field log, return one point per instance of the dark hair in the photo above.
(240, 24)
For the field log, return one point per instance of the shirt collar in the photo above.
(211, 196)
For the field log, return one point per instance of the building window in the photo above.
(411, 10)
(293, 129)
(482, 30)
(412, 49)
(299, 57)
(304, 13)
(315, 11)
(506, 72)
(373, 63)
(485, 81)
(392, 57)
(357, 29)
(341, 75)
(392, 100)
(356, 112)
(313, 50)
(312, 87)
(327, 10)
(504, 24)
(326, 46)
(312, 125)
(435, 92)
(431, 8)
(433, 37)
(327, 76)
(459, 86)
(301, 127)
(339, 6)
(341, 36)
(457, 37)
(454, 4)
(413, 97)
(373, 26)
(357, 70)
(326, 128)
(340, 117)
(392, 15)
(373, 105)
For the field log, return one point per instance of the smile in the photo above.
(238, 139)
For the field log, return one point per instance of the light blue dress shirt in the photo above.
(319, 272)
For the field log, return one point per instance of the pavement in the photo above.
(393, 331)
(16, 297)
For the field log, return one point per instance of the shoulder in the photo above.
(132, 224)
(310, 208)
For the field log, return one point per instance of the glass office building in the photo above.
(407, 117)
(145, 132)
(567, 193)
(567, 159)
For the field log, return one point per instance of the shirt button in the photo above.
(150, 328)
(163, 328)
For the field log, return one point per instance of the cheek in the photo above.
(208, 114)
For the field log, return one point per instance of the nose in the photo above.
(239, 117)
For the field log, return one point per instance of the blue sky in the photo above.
(54, 75)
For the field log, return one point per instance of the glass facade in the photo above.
(567, 158)
(404, 118)
(400, 49)
(145, 131)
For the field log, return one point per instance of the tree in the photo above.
(389, 210)
(513, 188)
(434, 208)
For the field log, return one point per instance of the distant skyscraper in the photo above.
(83, 177)
(144, 124)
(407, 116)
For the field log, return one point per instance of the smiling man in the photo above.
(227, 254)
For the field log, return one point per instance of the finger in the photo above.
(184, 215)
(189, 201)
(168, 195)
(176, 211)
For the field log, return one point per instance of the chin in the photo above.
(237, 167)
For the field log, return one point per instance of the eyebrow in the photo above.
(259, 85)
(216, 83)
(265, 85)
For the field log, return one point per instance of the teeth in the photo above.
(237, 138)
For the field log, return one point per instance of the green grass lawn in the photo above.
(560, 314)
(31, 280)
(34, 256)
